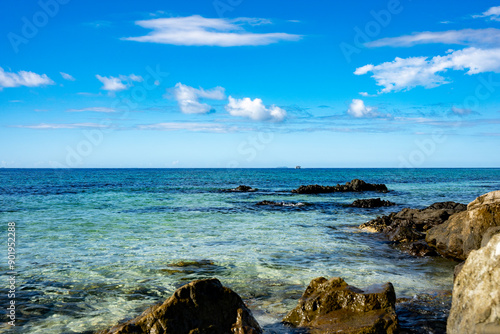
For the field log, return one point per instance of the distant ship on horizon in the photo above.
(298, 167)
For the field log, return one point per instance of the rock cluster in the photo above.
(476, 292)
(333, 306)
(202, 306)
(468, 230)
(371, 203)
(353, 186)
(407, 227)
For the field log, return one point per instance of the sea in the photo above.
(94, 247)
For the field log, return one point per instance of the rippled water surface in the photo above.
(98, 246)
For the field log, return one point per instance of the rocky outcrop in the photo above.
(465, 231)
(476, 292)
(371, 203)
(240, 189)
(333, 306)
(407, 227)
(202, 306)
(353, 186)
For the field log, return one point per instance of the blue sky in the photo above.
(240, 83)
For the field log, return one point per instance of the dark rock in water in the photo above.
(331, 306)
(475, 306)
(371, 203)
(353, 186)
(468, 230)
(409, 226)
(418, 248)
(240, 189)
(202, 306)
(423, 313)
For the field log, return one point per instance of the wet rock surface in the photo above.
(465, 231)
(371, 203)
(202, 306)
(332, 306)
(355, 185)
(476, 292)
(407, 228)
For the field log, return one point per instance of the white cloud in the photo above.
(188, 98)
(470, 37)
(115, 84)
(461, 111)
(365, 94)
(407, 73)
(493, 14)
(94, 109)
(23, 78)
(255, 109)
(196, 31)
(89, 94)
(63, 126)
(358, 109)
(67, 76)
(193, 127)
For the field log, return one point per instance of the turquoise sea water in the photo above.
(96, 246)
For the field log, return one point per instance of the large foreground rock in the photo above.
(476, 293)
(407, 227)
(333, 306)
(202, 306)
(465, 231)
(353, 186)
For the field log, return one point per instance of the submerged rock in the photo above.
(476, 292)
(332, 306)
(240, 189)
(353, 186)
(407, 227)
(203, 306)
(465, 231)
(192, 263)
(371, 203)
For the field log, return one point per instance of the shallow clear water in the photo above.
(97, 246)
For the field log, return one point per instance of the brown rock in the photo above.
(408, 226)
(332, 306)
(202, 306)
(464, 231)
(475, 304)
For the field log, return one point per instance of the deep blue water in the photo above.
(95, 246)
